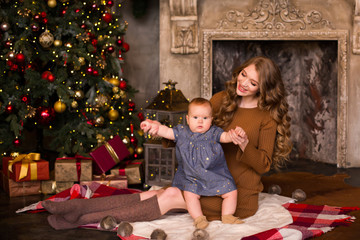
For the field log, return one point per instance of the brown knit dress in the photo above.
(248, 166)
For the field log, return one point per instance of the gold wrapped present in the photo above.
(133, 170)
(53, 187)
(111, 180)
(15, 189)
(73, 169)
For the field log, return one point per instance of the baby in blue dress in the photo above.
(202, 168)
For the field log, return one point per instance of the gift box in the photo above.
(15, 189)
(116, 181)
(133, 170)
(109, 154)
(73, 169)
(54, 187)
(26, 167)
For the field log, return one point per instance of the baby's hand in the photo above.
(145, 126)
(240, 132)
(150, 126)
(240, 138)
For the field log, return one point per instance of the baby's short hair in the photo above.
(199, 101)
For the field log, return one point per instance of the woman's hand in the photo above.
(150, 126)
(239, 137)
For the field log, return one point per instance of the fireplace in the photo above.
(321, 47)
(312, 57)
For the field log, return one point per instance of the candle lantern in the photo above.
(169, 107)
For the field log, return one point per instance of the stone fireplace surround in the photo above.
(188, 28)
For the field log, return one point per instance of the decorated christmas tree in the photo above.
(61, 74)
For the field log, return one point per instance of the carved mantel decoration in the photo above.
(280, 20)
(184, 26)
(356, 28)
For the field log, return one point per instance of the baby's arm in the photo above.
(225, 137)
(157, 129)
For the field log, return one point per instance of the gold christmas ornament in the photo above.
(122, 94)
(79, 94)
(51, 3)
(57, 43)
(117, 96)
(99, 121)
(102, 101)
(81, 61)
(126, 140)
(114, 81)
(100, 139)
(115, 89)
(74, 104)
(113, 114)
(131, 150)
(59, 106)
(46, 39)
(31, 112)
(139, 150)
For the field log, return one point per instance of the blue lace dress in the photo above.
(202, 167)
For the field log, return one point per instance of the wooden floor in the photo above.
(28, 226)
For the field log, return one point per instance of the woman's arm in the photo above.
(259, 157)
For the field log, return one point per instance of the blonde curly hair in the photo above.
(271, 96)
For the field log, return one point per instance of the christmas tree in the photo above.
(61, 74)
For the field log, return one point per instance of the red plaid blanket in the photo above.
(308, 220)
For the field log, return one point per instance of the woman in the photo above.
(254, 99)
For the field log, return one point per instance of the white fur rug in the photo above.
(270, 215)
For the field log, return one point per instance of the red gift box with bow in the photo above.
(26, 167)
(109, 154)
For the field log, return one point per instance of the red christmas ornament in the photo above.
(107, 17)
(109, 3)
(34, 27)
(20, 58)
(95, 72)
(43, 14)
(122, 85)
(45, 20)
(17, 142)
(8, 44)
(9, 109)
(9, 63)
(141, 116)
(110, 49)
(14, 67)
(94, 42)
(89, 70)
(45, 115)
(51, 77)
(131, 106)
(63, 12)
(119, 41)
(25, 99)
(45, 74)
(126, 46)
(133, 140)
(37, 17)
